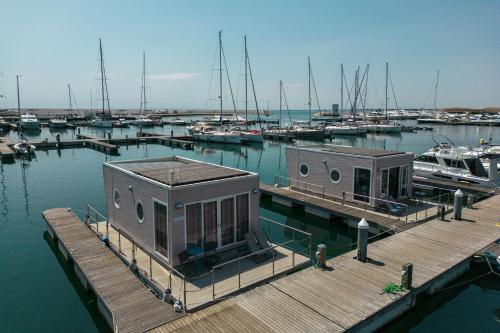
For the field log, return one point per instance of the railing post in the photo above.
(119, 241)
(96, 222)
(185, 303)
(133, 252)
(170, 278)
(323, 193)
(343, 197)
(213, 283)
(305, 188)
(293, 248)
(273, 259)
(239, 273)
(150, 267)
(107, 228)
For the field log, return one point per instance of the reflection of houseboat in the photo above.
(352, 173)
(182, 209)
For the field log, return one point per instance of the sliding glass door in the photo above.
(161, 231)
(214, 224)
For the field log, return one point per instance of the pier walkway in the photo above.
(348, 295)
(127, 305)
(5, 150)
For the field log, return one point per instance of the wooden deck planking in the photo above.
(133, 307)
(350, 292)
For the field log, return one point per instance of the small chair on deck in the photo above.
(257, 241)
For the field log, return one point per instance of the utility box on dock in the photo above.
(181, 209)
(372, 176)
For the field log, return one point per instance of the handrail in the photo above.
(286, 226)
(377, 199)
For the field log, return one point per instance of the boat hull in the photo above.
(252, 137)
(217, 138)
(30, 125)
(102, 123)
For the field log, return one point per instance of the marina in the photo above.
(250, 167)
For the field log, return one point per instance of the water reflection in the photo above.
(3, 200)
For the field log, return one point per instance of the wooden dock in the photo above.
(126, 304)
(6, 151)
(348, 295)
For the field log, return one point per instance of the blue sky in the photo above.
(52, 43)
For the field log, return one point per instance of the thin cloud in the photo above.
(174, 76)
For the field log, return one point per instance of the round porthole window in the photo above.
(335, 175)
(116, 198)
(139, 211)
(304, 169)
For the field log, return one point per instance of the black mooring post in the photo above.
(407, 276)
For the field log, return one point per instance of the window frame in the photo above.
(308, 169)
(330, 175)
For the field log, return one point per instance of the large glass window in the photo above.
(242, 216)
(394, 183)
(362, 180)
(193, 225)
(383, 186)
(161, 232)
(404, 181)
(210, 225)
(227, 221)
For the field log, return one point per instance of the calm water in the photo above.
(39, 292)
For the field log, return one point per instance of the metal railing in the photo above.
(347, 198)
(178, 281)
(94, 218)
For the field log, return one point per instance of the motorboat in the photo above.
(143, 121)
(458, 164)
(24, 148)
(58, 123)
(249, 135)
(211, 134)
(177, 121)
(29, 122)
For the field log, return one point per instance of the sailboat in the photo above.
(27, 121)
(104, 121)
(303, 129)
(61, 122)
(142, 120)
(208, 133)
(343, 129)
(250, 135)
(385, 127)
(278, 132)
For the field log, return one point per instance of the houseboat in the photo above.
(371, 176)
(182, 209)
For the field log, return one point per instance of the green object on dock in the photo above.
(392, 288)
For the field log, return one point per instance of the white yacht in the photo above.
(458, 164)
(177, 121)
(211, 134)
(29, 121)
(57, 123)
(24, 148)
(249, 135)
(143, 121)
(341, 129)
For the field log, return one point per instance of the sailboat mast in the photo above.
(279, 120)
(436, 91)
(309, 85)
(18, 98)
(220, 75)
(102, 78)
(341, 91)
(69, 97)
(144, 102)
(246, 83)
(91, 101)
(386, 80)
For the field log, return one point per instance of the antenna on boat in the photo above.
(436, 90)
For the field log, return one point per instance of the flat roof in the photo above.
(350, 150)
(175, 171)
